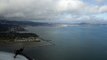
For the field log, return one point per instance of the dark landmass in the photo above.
(18, 36)
(6, 26)
(25, 23)
(12, 31)
(10, 27)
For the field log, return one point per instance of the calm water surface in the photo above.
(71, 43)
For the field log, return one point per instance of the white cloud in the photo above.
(50, 9)
(103, 9)
(39, 8)
(3, 7)
(98, 9)
(65, 5)
(27, 8)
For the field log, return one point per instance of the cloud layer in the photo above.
(53, 9)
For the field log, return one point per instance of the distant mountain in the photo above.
(25, 23)
(7, 25)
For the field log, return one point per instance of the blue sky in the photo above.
(55, 10)
(102, 16)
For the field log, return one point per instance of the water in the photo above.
(71, 43)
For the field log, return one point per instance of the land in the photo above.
(19, 37)
(14, 31)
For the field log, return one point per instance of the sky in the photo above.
(90, 11)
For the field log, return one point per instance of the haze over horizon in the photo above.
(68, 11)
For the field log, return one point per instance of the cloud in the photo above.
(51, 9)
(85, 19)
(27, 9)
(103, 9)
(71, 5)
(96, 9)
